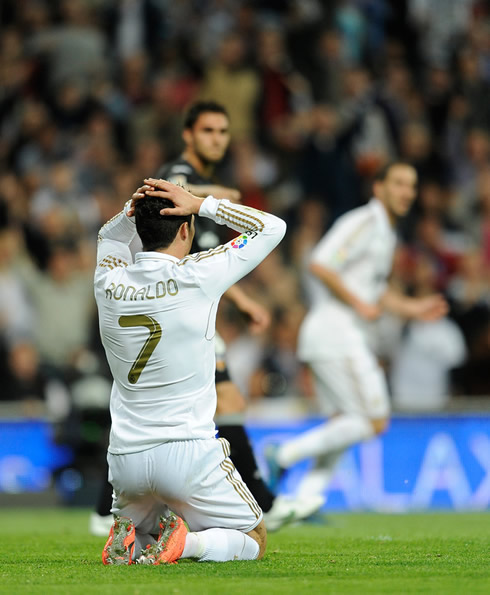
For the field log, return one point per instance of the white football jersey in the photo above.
(157, 323)
(359, 247)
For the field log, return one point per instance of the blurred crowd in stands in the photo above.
(320, 94)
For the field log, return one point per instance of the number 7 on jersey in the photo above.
(149, 346)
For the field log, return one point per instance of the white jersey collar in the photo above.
(380, 212)
(155, 256)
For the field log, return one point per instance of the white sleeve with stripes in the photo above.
(113, 242)
(219, 268)
(345, 242)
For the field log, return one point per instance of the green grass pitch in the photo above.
(50, 551)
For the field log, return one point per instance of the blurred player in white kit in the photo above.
(157, 322)
(351, 265)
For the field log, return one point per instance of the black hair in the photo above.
(382, 173)
(157, 231)
(202, 107)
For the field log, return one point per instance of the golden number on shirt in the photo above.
(154, 338)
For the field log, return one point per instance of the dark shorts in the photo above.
(222, 375)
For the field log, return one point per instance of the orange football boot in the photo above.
(120, 546)
(170, 544)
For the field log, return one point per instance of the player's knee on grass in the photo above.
(230, 399)
(380, 425)
(259, 534)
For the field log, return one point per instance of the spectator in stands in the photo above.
(469, 292)
(16, 316)
(63, 305)
(228, 77)
(420, 367)
(279, 372)
(74, 49)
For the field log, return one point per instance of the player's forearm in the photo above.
(243, 219)
(397, 303)
(334, 283)
(215, 190)
(120, 228)
(114, 239)
(260, 234)
(236, 295)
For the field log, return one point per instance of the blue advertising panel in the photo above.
(28, 456)
(420, 463)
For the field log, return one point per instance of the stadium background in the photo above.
(320, 95)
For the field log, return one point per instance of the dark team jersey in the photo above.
(208, 233)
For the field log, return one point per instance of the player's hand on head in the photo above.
(138, 195)
(184, 202)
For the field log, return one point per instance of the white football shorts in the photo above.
(352, 384)
(193, 478)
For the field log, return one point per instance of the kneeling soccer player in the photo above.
(157, 324)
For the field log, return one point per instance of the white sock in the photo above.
(315, 482)
(220, 545)
(194, 546)
(337, 434)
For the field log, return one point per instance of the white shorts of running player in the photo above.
(351, 384)
(193, 478)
